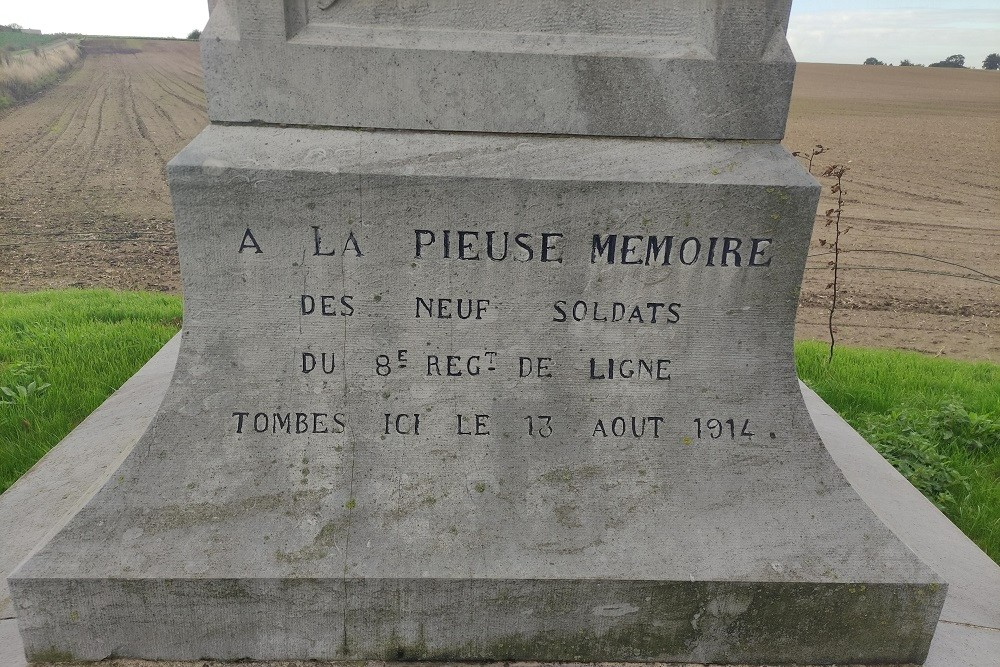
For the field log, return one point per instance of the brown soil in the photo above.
(86, 160)
(84, 202)
(923, 147)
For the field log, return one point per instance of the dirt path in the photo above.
(86, 161)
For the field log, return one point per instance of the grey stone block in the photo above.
(267, 514)
(667, 68)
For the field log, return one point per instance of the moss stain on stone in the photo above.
(675, 621)
(569, 475)
(398, 650)
(632, 642)
(324, 541)
(51, 654)
(566, 515)
(173, 517)
(226, 589)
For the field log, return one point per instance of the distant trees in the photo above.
(992, 61)
(873, 61)
(906, 62)
(956, 61)
(194, 34)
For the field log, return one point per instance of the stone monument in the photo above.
(489, 358)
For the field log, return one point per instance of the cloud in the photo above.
(922, 35)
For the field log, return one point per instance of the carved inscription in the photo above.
(463, 359)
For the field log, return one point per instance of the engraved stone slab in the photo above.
(668, 68)
(473, 397)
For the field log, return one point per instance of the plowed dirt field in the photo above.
(84, 201)
(922, 267)
(83, 195)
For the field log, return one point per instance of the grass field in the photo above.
(13, 40)
(936, 420)
(61, 354)
(26, 73)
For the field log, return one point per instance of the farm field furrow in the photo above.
(84, 201)
(924, 187)
(83, 195)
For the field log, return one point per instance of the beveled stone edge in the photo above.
(577, 94)
(138, 399)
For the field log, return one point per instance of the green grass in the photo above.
(936, 420)
(84, 344)
(24, 74)
(22, 41)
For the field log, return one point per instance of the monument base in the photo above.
(380, 663)
(963, 636)
(589, 511)
(481, 621)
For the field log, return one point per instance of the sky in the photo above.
(832, 31)
(849, 31)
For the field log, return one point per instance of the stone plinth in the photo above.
(473, 397)
(654, 68)
(486, 394)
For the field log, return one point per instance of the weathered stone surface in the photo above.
(486, 397)
(216, 540)
(668, 68)
(32, 508)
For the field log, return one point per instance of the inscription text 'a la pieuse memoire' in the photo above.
(486, 365)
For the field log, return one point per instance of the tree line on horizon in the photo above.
(957, 61)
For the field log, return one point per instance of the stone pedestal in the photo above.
(657, 68)
(473, 396)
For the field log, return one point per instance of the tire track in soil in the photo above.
(163, 114)
(75, 145)
(83, 120)
(181, 84)
(163, 83)
(89, 159)
(883, 225)
(90, 152)
(140, 126)
(79, 103)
